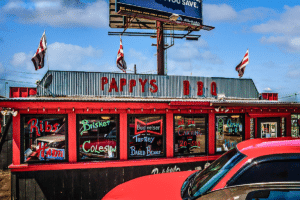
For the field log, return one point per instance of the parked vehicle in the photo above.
(252, 161)
(266, 191)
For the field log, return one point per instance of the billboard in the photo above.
(179, 11)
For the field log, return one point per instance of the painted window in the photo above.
(146, 136)
(97, 137)
(295, 119)
(44, 138)
(229, 131)
(190, 134)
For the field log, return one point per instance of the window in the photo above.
(204, 181)
(275, 171)
(190, 134)
(229, 131)
(274, 195)
(146, 136)
(295, 119)
(97, 137)
(268, 130)
(43, 138)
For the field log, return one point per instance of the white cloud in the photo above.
(70, 57)
(144, 63)
(288, 24)
(62, 56)
(286, 42)
(283, 32)
(21, 60)
(193, 51)
(213, 12)
(56, 13)
(251, 14)
(224, 12)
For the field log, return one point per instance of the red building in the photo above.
(86, 132)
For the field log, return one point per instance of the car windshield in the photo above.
(206, 179)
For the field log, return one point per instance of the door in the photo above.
(268, 127)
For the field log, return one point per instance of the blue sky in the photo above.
(77, 37)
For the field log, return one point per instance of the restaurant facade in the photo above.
(83, 133)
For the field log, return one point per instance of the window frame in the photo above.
(164, 134)
(22, 138)
(243, 132)
(259, 160)
(117, 136)
(206, 135)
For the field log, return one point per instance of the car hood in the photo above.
(158, 186)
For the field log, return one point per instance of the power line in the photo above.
(291, 95)
(15, 81)
(21, 72)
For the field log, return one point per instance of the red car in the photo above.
(252, 161)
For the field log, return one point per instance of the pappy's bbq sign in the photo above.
(152, 86)
(140, 85)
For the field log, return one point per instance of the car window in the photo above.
(206, 179)
(273, 171)
(273, 195)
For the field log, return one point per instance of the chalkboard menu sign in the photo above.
(43, 138)
(146, 136)
(229, 131)
(190, 134)
(97, 137)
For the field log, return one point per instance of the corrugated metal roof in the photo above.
(74, 83)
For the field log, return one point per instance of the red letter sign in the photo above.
(104, 81)
(152, 83)
(122, 83)
(143, 83)
(132, 83)
(213, 88)
(200, 88)
(113, 85)
(186, 87)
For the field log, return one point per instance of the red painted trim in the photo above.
(72, 137)
(90, 165)
(288, 125)
(211, 133)
(185, 103)
(34, 105)
(16, 158)
(169, 135)
(247, 127)
(123, 136)
(265, 115)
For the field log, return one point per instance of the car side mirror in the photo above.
(258, 194)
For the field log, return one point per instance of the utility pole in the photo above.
(160, 48)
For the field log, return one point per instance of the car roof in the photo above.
(267, 146)
(242, 191)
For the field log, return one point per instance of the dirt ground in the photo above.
(5, 185)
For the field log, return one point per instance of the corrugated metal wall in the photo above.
(71, 83)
